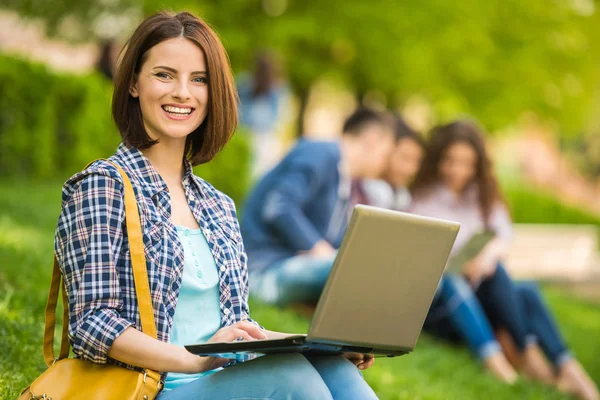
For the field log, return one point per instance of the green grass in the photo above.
(435, 370)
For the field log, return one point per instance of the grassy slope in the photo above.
(434, 371)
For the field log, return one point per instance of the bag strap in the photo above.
(140, 277)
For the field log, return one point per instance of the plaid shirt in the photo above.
(93, 252)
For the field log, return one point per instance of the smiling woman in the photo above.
(175, 106)
(181, 68)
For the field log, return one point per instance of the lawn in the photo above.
(28, 215)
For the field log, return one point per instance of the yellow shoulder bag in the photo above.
(72, 378)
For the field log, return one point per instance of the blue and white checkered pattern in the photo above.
(92, 249)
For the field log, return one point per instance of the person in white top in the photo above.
(391, 190)
(457, 182)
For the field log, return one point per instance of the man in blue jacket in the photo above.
(295, 217)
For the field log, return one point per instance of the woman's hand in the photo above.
(242, 329)
(479, 268)
(321, 249)
(484, 264)
(362, 361)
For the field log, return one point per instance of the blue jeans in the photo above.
(279, 377)
(540, 324)
(298, 279)
(515, 306)
(456, 314)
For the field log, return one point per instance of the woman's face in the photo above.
(458, 166)
(404, 162)
(172, 88)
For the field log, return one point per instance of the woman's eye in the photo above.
(163, 75)
(200, 79)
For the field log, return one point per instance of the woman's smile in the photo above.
(177, 112)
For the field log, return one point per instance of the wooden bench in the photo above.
(554, 252)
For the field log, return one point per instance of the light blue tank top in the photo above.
(197, 315)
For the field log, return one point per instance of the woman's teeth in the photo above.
(177, 110)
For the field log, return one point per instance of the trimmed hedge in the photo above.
(53, 124)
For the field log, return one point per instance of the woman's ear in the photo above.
(133, 89)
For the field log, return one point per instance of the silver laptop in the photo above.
(377, 295)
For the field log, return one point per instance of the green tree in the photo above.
(493, 60)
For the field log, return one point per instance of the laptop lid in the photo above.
(383, 279)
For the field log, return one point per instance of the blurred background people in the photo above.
(466, 318)
(107, 58)
(457, 182)
(264, 96)
(295, 216)
(391, 189)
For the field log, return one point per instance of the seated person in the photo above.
(468, 317)
(391, 190)
(456, 182)
(295, 216)
(194, 257)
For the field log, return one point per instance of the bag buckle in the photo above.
(40, 397)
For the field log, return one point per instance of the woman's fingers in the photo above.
(368, 362)
(230, 334)
(252, 329)
(243, 329)
(353, 356)
(362, 361)
(236, 333)
(218, 362)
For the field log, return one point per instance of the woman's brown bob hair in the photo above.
(442, 138)
(221, 118)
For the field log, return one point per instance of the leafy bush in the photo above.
(53, 124)
(535, 206)
(230, 171)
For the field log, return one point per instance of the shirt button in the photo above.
(193, 253)
(222, 268)
(199, 274)
(197, 263)
(226, 311)
(187, 232)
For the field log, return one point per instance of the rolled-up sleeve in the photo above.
(88, 241)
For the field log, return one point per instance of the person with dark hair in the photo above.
(457, 182)
(106, 59)
(263, 100)
(295, 216)
(391, 189)
(175, 106)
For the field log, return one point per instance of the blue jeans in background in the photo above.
(279, 377)
(541, 324)
(457, 315)
(515, 306)
(298, 279)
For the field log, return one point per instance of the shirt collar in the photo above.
(134, 160)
